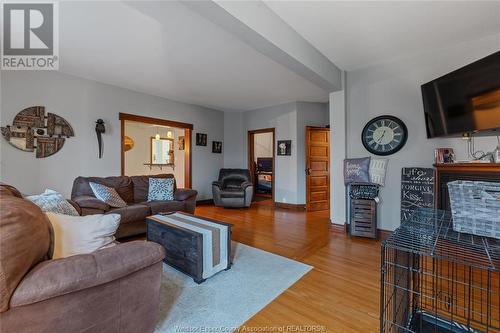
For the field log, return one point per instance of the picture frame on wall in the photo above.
(217, 147)
(284, 147)
(201, 139)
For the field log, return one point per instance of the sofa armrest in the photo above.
(53, 278)
(246, 184)
(183, 194)
(217, 184)
(87, 201)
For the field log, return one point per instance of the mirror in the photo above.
(162, 151)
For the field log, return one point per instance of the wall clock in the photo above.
(384, 135)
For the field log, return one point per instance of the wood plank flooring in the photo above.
(341, 292)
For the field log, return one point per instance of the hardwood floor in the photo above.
(341, 292)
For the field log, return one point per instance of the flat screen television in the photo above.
(265, 164)
(463, 101)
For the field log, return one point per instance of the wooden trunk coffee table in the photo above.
(197, 246)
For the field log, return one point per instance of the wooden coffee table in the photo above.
(197, 246)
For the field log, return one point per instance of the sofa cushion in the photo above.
(24, 241)
(135, 212)
(82, 234)
(164, 206)
(232, 193)
(52, 201)
(161, 189)
(122, 184)
(107, 195)
(141, 185)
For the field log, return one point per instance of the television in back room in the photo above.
(464, 101)
(265, 164)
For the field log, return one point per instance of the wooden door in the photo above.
(317, 168)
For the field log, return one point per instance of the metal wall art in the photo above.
(32, 130)
(100, 129)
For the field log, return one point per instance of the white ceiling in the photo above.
(167, 50)
(358, 34)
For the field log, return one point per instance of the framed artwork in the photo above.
(284, 147)
(180, 143)
(201, 139)
(217, 147)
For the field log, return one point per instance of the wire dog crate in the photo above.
(437, 280)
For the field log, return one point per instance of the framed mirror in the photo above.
(162, 151)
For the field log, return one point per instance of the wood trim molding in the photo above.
(155, 121)
(188, 130)
(251, 156)
(382, 234)
(283, 205)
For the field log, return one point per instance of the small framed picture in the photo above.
(201, 139)
(284, 147)
(180, 143)
(444, 155)
(217, 147)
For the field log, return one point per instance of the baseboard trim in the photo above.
(290, 206)
(205, 202)
(343, 229)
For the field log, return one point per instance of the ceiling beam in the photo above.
(262, 29)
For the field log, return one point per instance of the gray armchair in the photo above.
(233, 189)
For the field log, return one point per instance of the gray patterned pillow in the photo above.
(54, 202)
(356, 170)
(161, 189)
(107, 195)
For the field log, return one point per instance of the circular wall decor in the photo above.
(128, 143)
(384, 135)
(32, 130)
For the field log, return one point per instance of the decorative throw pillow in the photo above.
(161, 189)
(356, 170)
(378, 168)
(82, 234)
(52, 201)
(107, 195)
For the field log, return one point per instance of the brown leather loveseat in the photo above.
(134, 191)
(110, 290)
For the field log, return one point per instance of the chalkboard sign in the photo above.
(417, 190)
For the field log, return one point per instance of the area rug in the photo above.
(228, 299)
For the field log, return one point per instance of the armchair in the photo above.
(233, 188)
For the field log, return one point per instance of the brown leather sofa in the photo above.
(111, 290)
(134, 191)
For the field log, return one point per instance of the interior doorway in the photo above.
(151, 146)
(317, 168)
(261, 158)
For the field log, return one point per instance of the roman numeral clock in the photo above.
(384, 135)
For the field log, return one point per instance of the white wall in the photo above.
(81, 102)
(263, 145)
(393, 88)
(135, 158)
(289, 121)
(233, 140)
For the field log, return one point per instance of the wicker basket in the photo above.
(475, 207)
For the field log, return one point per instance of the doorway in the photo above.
(317, 168)
(261, 156)
(151, 146)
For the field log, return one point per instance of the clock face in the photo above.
(384, 135)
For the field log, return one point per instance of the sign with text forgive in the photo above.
(30, 36)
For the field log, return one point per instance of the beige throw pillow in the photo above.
(82, 234)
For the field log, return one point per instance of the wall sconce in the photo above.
(157, 136)
(169, 134)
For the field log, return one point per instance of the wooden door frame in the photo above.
(251, 156)
(308, 128)
(188, 129)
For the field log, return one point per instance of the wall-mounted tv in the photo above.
(465, 100)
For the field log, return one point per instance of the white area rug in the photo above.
(229, 298)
